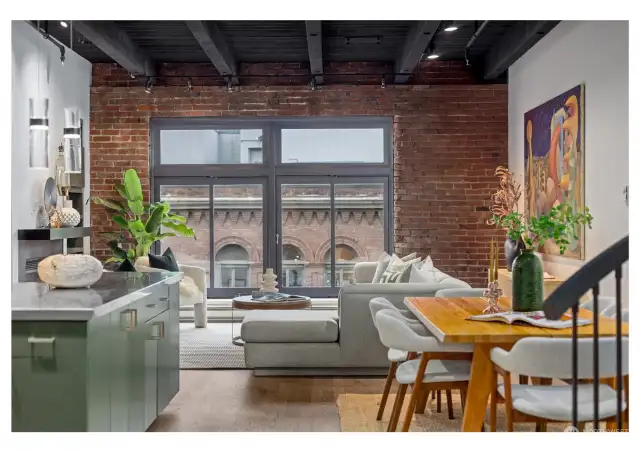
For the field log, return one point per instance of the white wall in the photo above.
(65, 86)
(595, 53)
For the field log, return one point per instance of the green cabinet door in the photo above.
(169, 351)
(151, 371)
(123, 324)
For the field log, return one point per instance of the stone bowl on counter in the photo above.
(70, 271)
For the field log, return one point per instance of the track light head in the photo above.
(64, 24)
(132, 76)
(189, 85)
(229, 84)
(383, 84)
(62, 55)
(148, 85)
(312, 84)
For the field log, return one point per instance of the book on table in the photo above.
(535, 318)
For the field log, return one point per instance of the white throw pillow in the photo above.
(398, 271)
(409, 257)
(425, 273)
(383, 262)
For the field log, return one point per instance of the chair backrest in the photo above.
(611, 312)
(604, 303)
(551, 357)
(377, 304)
(461, 292)
(395, 332)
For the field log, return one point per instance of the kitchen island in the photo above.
(105, 358)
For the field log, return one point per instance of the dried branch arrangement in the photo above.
(505, 200)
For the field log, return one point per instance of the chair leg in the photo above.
(416, 393)
(508, 401)
(463, 397)
(438, 402)
(449, 404)
(422, 402)
(387, 387)
(397, 408)
(433, 395)
(493, 402)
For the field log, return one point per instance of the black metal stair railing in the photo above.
(568, 295)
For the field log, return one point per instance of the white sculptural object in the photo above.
(269, 284)
(70, 271)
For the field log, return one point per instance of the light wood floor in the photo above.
(235, 400)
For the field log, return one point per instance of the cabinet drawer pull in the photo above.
(164, 298)
(152, 305)
(131, 319)
(158, 330)
(41, 340)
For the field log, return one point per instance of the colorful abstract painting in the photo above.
(554, 160)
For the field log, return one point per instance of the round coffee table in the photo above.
(246, 302)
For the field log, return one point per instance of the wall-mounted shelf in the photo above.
(53, 233)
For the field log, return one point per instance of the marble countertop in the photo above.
(37, 301)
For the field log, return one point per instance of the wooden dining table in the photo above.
(446, 319)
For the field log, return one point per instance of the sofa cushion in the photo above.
(289, 326)
(398, 270)
(383, 263)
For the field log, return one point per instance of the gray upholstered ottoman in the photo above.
(290, 339)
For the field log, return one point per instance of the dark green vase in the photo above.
(527, 290)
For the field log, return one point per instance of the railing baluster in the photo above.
(574, 358)
(596, 358)
(619, 347)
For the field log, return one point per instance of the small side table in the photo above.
(246, 302)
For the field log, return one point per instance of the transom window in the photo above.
(308, 197)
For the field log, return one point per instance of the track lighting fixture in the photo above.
(433, 56)
(64, 24)
(62, 55)
(132, 76)
(148, 86)
(312, 84)
(383, 84)
(229, 84)
(189, 85)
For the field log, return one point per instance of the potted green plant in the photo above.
(141, 223)
(560, 225)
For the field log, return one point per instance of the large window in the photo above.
(308, 197)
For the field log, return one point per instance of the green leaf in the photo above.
(109, 203)
(121, 191)
(131, 253)
(155, 218)
(136, 207)
(181, 229)
(117, 251)
(113, 259)
(132, 187)
(136, 228)
(119, 219)
(176, 218)
(165, 235)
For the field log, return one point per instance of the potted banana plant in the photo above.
(141, 224)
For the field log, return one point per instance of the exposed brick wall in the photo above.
(449, 136)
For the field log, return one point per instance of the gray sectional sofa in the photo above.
(312, 342)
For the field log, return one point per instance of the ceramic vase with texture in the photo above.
(527, 288)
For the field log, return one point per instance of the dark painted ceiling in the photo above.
(497, 44)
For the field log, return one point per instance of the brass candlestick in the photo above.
(493, 291)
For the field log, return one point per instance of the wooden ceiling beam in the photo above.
(314, 44)
(417, 40)
(215, 46)
(113, 41)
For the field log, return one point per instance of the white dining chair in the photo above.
(551, 358)
(442, 366)
(604, 303)
(393, 355)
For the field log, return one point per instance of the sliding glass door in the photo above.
(308, 197)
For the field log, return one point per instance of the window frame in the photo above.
(271, 172)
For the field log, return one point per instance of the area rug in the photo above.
(358, 414)
(210, 348)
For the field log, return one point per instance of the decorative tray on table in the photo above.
(277, 296)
